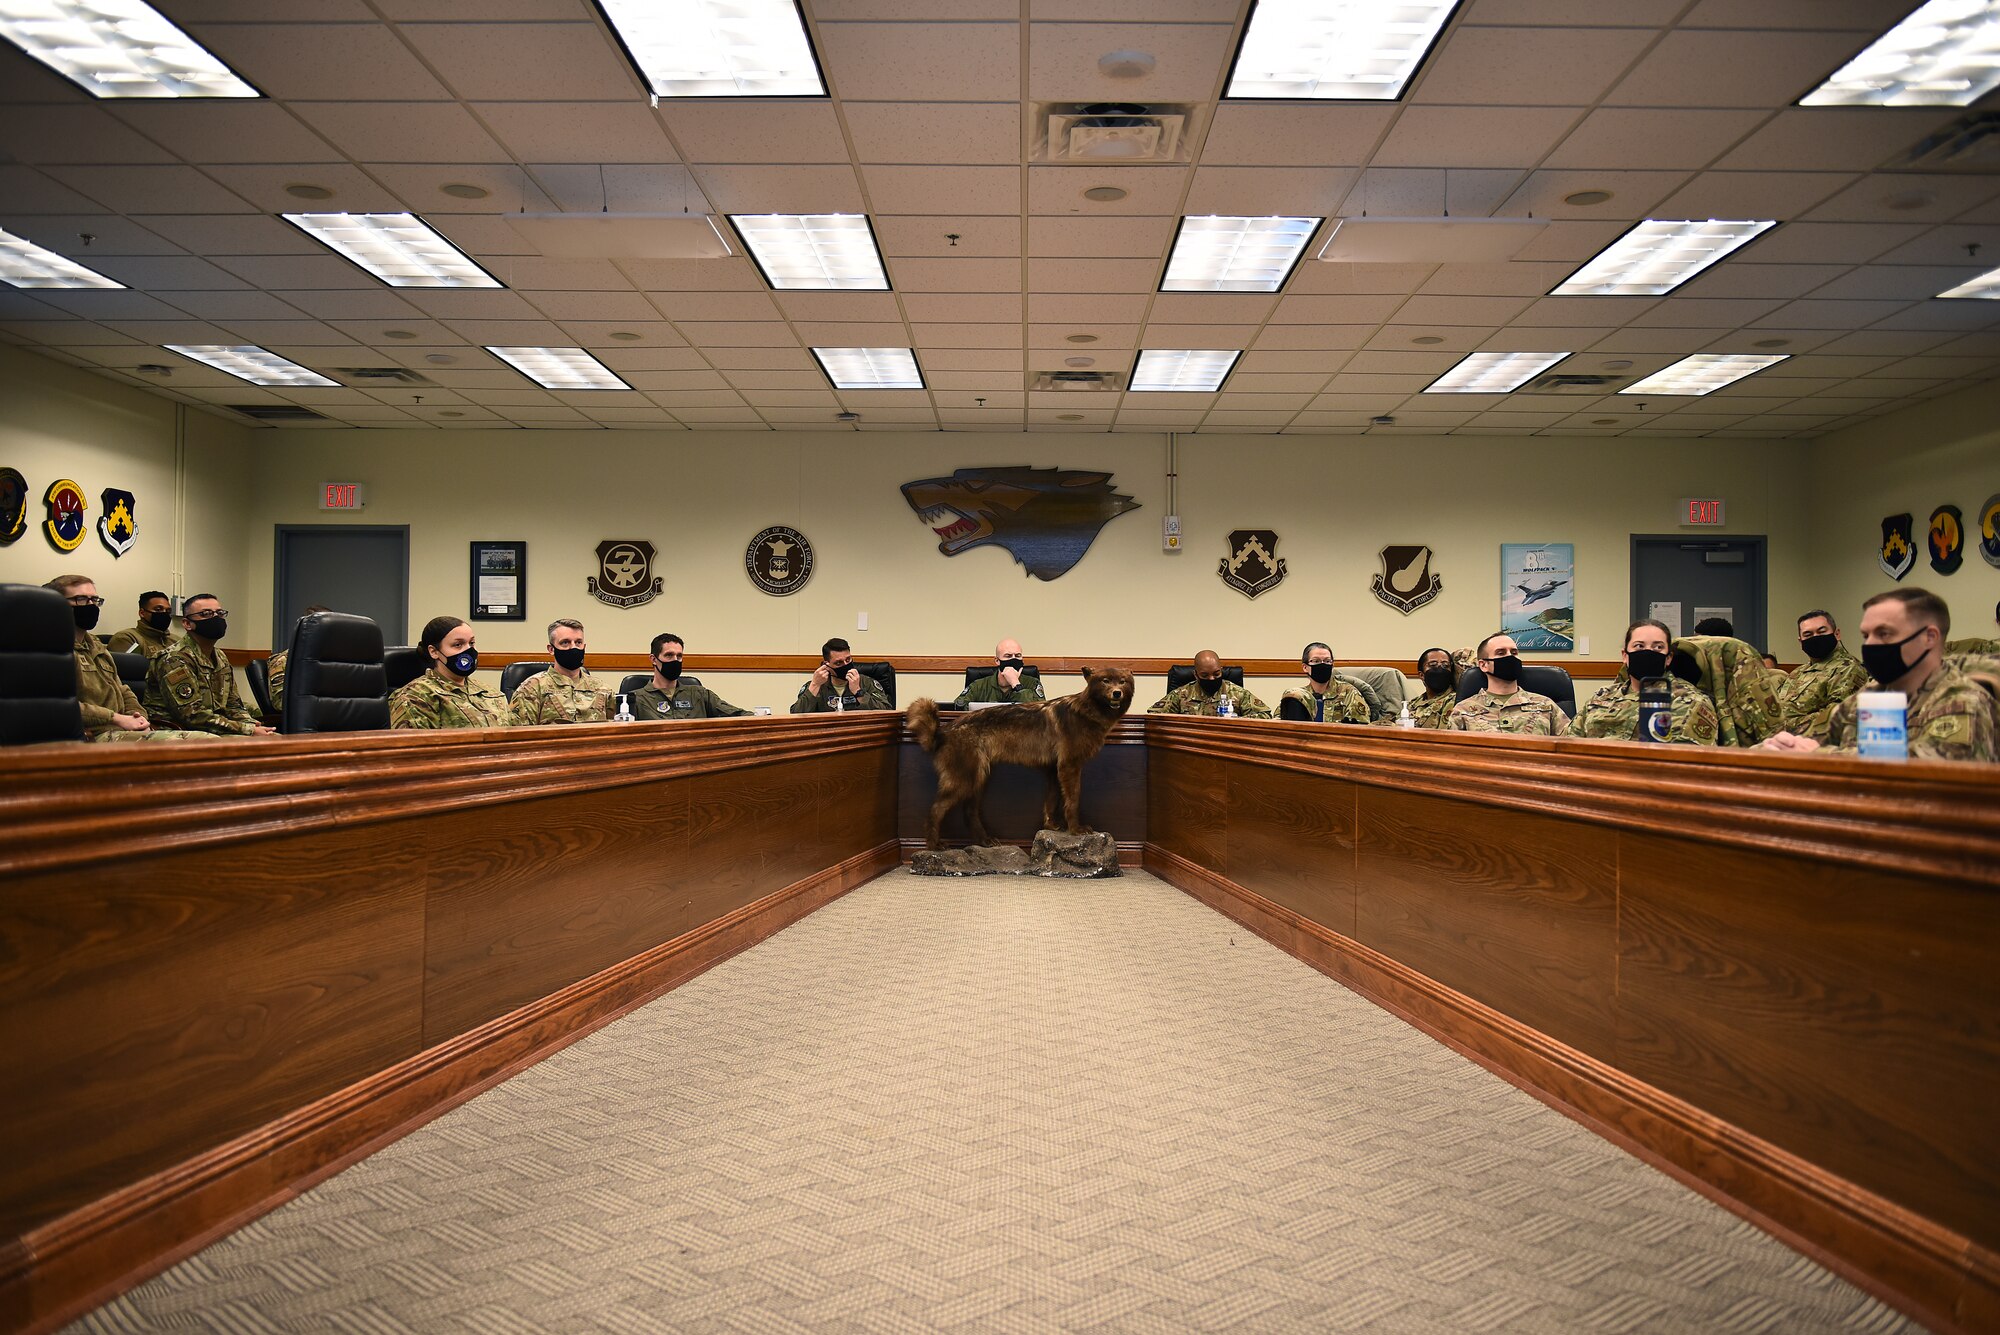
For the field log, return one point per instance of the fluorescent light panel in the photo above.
(1347, 50)
(1236, 254)
(1493, 372)
(117, 48)
(1184, 370)
(1986, 287)
(804, 251)
(560, 368)
(1945, 54)
(717, 48)
(247, 361)
(1703, 373)
(401, 249)
(25, 264)
(870, 368)
(1658, 256)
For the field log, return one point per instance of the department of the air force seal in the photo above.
(779, 561)
(1252, 566)
(65, 525)
(624, 574)
(13, 505)
(1406, 582)
(118, 529)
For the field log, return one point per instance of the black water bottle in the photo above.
(1656, 710)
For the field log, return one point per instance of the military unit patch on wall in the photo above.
(118, 528)
(1399, 588)
(624, 575)
(1045, 517)
(13, 505)
(1989, 530)
(1947, 539)
(779, 560)
(1897, 553)
(65, 523)
(1253, 565)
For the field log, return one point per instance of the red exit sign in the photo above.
(1697, 512)
(343, 496)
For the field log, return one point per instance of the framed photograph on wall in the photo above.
(1538, 595)
(499, 581)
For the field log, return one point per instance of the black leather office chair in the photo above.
(335, 680)
(404, 664)
(514, 674)
(258, 673)
(1554, 682)
(132, 671)
(637, 681)
(37, 667)
(975, 671)
(1180, 674)
(884, 675)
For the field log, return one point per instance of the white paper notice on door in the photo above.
(1702, 614)
(1667, 613)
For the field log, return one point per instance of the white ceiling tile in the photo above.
(498, 333)
(1213, 308)
(303, 272)
(1527, 66)
(1337, 278)
(1474, 136)
(403, 131)
(1066, 276)
(1736, 279)
(362, 62)
(916, 275)
(1863, 16)
(980, 360)
(87, 134)
(697, 398)
(760, 380)
(1476, 311)
(535, 273)
(176, 272)
(1313, 337)
(956, 133)
(1904, 282)
(1269, 191)
(1780, 195)
(1292, 135)
(946, 190)
(205, 131)
(1830, 314)
(577, 131)
(1053, 308)
(470, 304)
(947, 237)
(1636, 138)
(738, 333)
(927, 62)
(1574, 241)
(736, 306)
(838, 306)
(144, 190)
(231, 308)
(822, 189)
(1355, 310)
(1160, 334)
(1110, 238)
(946, 308)
(354, 191)
(747, 130)
(379, 304)
(586, 305)
(956, 336)
(1703, 313)
(109, 233)
(113, 307)
(1907, 197)
(1943, 315)
(1516, 279)
(1189, 59)
(1402, 361)
(735, 274)
(1262, 363)
(537, 62)
(1835, 138)
(639, 356)
(1531, 338)
(1149, 190)
(1634, 195)
(1582, 312)
(1696, 68)
(312, 333)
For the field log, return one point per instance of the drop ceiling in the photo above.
(1001, 268)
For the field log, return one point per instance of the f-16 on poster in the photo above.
(1538, 595)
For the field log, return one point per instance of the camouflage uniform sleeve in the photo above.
(529, 706)
(1170, 703)
(409, 709)
(1962, 730)
(721, 708)
(1248, 705)
(1591, 720)
(1358, 708)
(274, 684)
(1373, 704)
(1460, 718)
(174, 683)
(1558, 721)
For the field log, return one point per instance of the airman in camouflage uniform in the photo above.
(1731, 673)
(677, 698)
(274, 678)
(146, 638)
(1331, 700)
(111, 712)
(994, 689)
(1190, 698)
(1519, 711)
(1439, 672)
(192, 686)
(1979, 648)
(563, 692)
(1829, 675)
(432, 701)
(1613, 713)
(1949, 717)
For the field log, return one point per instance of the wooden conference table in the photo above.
(228, 970)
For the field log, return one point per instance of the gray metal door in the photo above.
(1704, 576)
(364, 569)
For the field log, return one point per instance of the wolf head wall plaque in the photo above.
(1046, 518)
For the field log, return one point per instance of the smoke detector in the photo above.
(1112, 132)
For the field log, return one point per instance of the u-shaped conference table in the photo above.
(228, 970)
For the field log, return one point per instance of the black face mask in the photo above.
(1645, 663)
(463, 663)
(1505, 669)
(212, 629)
(569, 660)
(1686, 668)
(86, 617)
(1818, 647)
(160, 620)
(1437, 679)
(670, 669)
(1321, 672)
(1015, 663)
(839, 670)
(1209, 685)
(1885, 661)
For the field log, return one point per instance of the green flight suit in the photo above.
(837, 698)
(689, 700)
(986, 690)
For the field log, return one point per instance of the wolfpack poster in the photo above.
(1538, 595)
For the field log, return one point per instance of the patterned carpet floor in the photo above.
(1000, 1106)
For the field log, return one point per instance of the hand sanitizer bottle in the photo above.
(624, 714)
(1403, 720)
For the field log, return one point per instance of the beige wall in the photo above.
(60, 422)
(1946, 452)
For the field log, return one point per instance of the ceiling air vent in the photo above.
(1575, 384)
(1076, 381)
(1969, 145)
(1112, 132)
(383, 375)
(276, 412)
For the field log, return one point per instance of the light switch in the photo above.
(861, 622)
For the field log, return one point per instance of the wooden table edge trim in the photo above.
(64, 1268)
(1921, 1268)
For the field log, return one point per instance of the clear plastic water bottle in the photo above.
(1882, 725)
(624, 714)
(1403, 720)
(1223, 709)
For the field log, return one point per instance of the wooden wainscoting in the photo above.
(227, 971)
(1772, 976)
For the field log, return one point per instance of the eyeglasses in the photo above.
(208, 616)
(82, 601)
